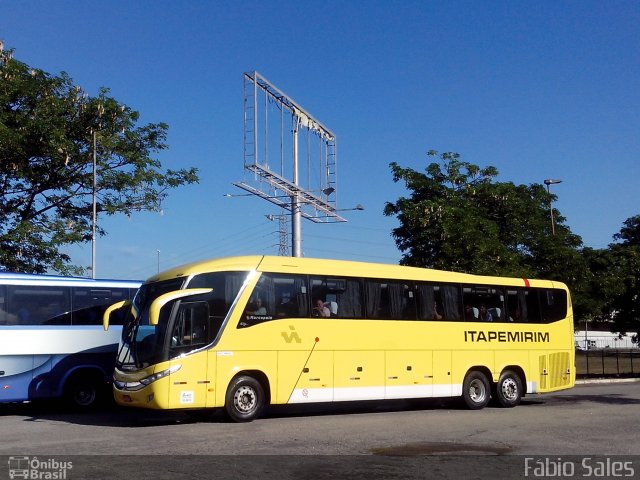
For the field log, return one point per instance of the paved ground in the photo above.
(371, 439)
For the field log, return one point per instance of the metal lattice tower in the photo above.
(290, 159)
(283, 230)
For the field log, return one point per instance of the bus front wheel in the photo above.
(84, 391)
(245, 399)
(476, 390)
(509, 389)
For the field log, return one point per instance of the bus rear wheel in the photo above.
(245, 399)
(509, 389)
(476, 390)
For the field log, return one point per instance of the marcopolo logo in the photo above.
(38, 469)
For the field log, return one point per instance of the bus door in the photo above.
(190, 334)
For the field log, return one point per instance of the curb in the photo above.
(587, 381)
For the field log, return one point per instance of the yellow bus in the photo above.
(244, 332)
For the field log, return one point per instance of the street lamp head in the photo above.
(552, 181)
(357, 207)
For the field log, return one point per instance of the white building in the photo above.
(592, 339)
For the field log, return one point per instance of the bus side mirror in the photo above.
(162, 300)
(107, 312)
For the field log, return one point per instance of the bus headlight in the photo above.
(157, 376)
(147, 380)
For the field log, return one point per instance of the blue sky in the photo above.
(537, 89)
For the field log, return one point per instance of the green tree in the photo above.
(601, 285)
(625, 306)
(47, 128)
(457, 217)
(629, 234)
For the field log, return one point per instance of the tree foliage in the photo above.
(459, 218)
(47, 131)
(624, 305)
(613, 287)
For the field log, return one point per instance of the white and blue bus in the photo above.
(52, 344)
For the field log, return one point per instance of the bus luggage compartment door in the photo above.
(409, 374)
(359, 375)
(304, 377)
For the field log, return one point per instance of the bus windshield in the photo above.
(139, 339)
(194, 324)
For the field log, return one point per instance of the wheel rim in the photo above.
(477, 391)
(245, 399)
(84, 396)
(509, 389)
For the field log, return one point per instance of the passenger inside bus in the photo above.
(321, 309)
(471, 313)
(257, 308)
(289, 308)
(436, 312)
(489, 314)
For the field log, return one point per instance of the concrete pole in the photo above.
(296, 217)
(94, 220)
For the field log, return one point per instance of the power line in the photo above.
(351, 254)
(215, 247)
(349, 240)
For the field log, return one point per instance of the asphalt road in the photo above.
(400, 439)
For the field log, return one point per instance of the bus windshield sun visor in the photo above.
(162, 300)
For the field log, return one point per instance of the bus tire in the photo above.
(84, 391)
(476, 390)
(509, 389)
(245, 399)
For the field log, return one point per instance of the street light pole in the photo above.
(296, 217)
(94, 217)
(548, 182)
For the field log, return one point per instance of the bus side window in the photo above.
(38, 305)
(3, 305)
(345, 292)
(290, 296)
(276, 296)
(427, 304)
(554, 304)
(190, 328)
(389, 299)
(438, 302)
(514, 306)
(89, 303)
(451, 301)
(484, 303)
(522, 305)
(225, 287)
